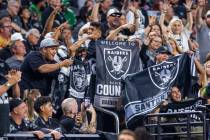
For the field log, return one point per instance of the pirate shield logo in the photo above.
(163, 74)
(117, 61)
(79, 80)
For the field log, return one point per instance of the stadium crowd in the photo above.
(40, 39)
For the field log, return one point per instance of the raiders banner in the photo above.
(78, 80)
(114, 60)
(145, 90)
(184, 106)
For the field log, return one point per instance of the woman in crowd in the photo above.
(30, 97)
(175, 49)
(25, 18)
(176, 27)
(148, 52)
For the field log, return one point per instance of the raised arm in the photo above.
(49, 23)
(188, 6)
(58, 31)
(162, 16)
(73, 48)
(94, 14)
(199, 20)
(114, 33)
(125, 6)
(152, 20)
(12, 79)
(135, 22)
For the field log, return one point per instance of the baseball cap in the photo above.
(113, 11)
(4, 13)
(17, 36)
(49, 35)
(163, 50)
(48, 42)
(208, 13)
(15, 102)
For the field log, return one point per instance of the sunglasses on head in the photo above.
(115, 15)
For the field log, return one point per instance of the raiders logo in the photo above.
(79, 80)
(61, 78)
(117, 61)
(163, 74)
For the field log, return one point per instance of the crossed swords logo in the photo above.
(164, 75)
(117, 63)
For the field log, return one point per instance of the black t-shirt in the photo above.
(105, 30)
(24, 126)
(50, 124)
(32, 78)
(30, 47)
(5, 53)
(4, 101)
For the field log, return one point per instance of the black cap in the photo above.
(67, 124)
(4, 13)
(14, 103)
(163, 50)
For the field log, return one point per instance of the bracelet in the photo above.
(188, 11)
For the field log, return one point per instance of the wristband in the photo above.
(7, 84)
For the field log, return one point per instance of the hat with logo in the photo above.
(48, 42)
(113, 11)
(17, 37)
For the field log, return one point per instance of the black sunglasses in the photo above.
(115, 15)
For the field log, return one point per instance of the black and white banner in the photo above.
(78, 80)
(184, 106)
(145, 90)
(114, 60)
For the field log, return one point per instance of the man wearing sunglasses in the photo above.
(113, 21)
(5, 28)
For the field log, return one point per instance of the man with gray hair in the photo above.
(32, 40)
(18, 50)
(74, 121)
(13, 8)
